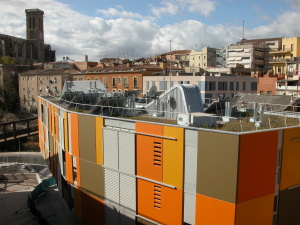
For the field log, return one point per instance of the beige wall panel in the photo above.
(87, 138)
(217, 165)
(92, 178)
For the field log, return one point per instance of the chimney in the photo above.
(129, 64)
(258, 74)
(86, 58)
(252, 74)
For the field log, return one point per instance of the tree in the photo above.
(9, 98)
(7, 60)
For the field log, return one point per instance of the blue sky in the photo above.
(140, 28)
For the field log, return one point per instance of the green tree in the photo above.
(7, 60)
(9, 98)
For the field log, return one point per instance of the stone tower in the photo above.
(35, 33)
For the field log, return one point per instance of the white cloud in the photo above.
(119, 6)
(73, 34)
(121, 14)
(204, 7)
(294, 3)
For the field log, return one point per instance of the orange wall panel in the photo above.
(69, 167)
(99, 150)
(74, 134)
(149, 157)
(53, 121)
(164, 206)
(290, 165)
(77, 203)
(92, 210)
(56, 124)
(45, 139)
(50, 118)
(148, 128)
(257, 165)
(66, 134)
(210, 211)
(173, 156)
(258, 211)
(78, 173)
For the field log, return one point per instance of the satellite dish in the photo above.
(152, 91)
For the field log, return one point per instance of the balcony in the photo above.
(288, 88)
(271, 60)
(286, 50)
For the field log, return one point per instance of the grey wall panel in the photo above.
(190, 169)
(217, 165)
(127, 152)
(51, 146)
(191, 138)
(112, 186)
(120, 124)
(189, 208)
(128, 192)
(92, 178)
(111, 213)
(87, 138)
(110, 148)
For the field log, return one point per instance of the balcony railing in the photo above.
(280, 51)
(272, 60)
(293, 88)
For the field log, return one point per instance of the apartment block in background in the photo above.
(253, 54)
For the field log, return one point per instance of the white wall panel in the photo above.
(110, 147)
(190, 169)
(127, 152)
(112, 186)
(189, 208)
(128, 192)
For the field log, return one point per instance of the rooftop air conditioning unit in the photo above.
(197, 119)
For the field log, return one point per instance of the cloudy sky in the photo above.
(136, 28)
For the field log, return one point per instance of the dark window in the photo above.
(231, 86)
(269, 92)
(153, 83)
(33, 23)
(237, 86)
(125, 82)
(208, 98)
(253, 86)
(162, 86)
(147, 85)
(114, 82)
(261, 92)
(244, 86)
(135, 83)
(210, 85)
(275, 204)
(292, 47)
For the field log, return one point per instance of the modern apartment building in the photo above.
(111, 170)
(253, 54)
(287, 52)
(211, 87)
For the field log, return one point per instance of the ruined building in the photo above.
(32, 49)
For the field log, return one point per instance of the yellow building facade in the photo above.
(289, 50)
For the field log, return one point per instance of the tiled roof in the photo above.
(259, 40)
(178, 52)
(122, 67)
(49, 71)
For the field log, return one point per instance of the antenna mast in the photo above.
(243, 27)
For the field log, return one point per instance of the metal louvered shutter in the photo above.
(127, 152)
(111, 213)
(112, 186)
(110, 144)
(128, 192)
(69, 133)
(189, 208)
(190, 169)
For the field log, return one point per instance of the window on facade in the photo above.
(237, 86)
(75, 79)
(119, 80)
(261, 92)
(120, 90)
(105, 81)
(80, 79)
(244, 86)
(135, 83)
(231, 86)
(125, 82)
(113, 90)
(204, 64)
(147, 85)
(208, 98)
(113, 81)
(269, 92)
(279, 69)
(283, 47)
(198, 64)
(153, 83)
(88, 78)
(186, 82)
(292, 47)
(96, 78)
(33, 23)
(210, 85)
(222, 86)
(199, 57)
(204, 57)
(253, 86)
(292, 57)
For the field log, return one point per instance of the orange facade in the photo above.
(74, 134)
(257, 165)
(159, 203)
(148, 128)
(211, 211)
(149, 157)
(69, 167)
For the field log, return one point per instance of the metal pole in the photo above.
(170, 75)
